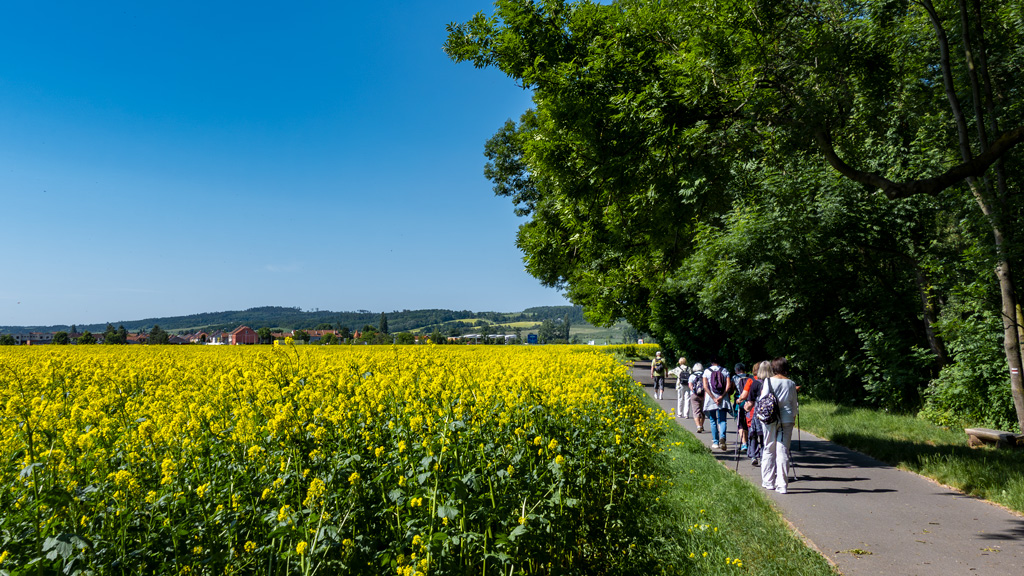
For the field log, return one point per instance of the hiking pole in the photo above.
(798, 447)
(736, 455)
(792, 463)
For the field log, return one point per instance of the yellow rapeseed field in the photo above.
(294, 460)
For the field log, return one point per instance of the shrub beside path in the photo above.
(870, 518)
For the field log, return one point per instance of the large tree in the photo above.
(657, 123)
(158, 335)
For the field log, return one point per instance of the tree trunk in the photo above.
(1011, 340)
(992, 208)
(928, 312)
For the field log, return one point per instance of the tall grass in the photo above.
(914, 444)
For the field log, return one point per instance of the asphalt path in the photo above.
(870, 518)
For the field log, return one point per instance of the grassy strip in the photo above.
(713, 521)
(914, 444)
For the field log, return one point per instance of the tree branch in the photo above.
(928, 186)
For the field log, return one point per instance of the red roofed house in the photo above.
(243, 335)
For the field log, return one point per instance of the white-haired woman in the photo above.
(682, 374)
(697, 400)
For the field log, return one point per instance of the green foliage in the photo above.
(7, 340)
(158, 335)
(972, 391)
(119, 336)
(61, 338)
(752, 181)
(891, 375)
(284, 318)
(86, 338)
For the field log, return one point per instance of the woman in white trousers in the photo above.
(779, 434)
(682, 374)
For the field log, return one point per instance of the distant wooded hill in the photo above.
(284, 318)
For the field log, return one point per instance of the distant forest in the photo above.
(286, 319)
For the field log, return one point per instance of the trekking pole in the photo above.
(792, 463)
(737, 457)
(798, 447)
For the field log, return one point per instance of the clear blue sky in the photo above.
(174, 157)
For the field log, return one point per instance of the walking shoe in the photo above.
(767, 486)
(755, 462)
(725, 447)
(780, 490)
(743, 448)
(714, 446)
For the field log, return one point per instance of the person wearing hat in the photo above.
(696, 385)
(658, 372)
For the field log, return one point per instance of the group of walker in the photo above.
(714, 394)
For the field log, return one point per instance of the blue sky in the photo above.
(167, 158)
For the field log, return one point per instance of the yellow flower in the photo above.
(250, 546)
(315, 492)
(301, 547)
(284, 514)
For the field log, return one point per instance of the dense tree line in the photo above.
(833, 181)
(284, 318)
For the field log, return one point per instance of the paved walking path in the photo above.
(898, 522)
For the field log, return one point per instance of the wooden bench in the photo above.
(981, 436)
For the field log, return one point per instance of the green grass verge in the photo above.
(914, 444)
(713, 521)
